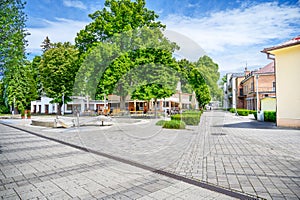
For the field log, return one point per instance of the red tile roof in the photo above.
(269, 68)
(292, 42)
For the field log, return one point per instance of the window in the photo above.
(241, 92)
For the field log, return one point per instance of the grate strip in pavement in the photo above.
(264, 175)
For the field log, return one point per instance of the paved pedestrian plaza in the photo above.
(229, 156)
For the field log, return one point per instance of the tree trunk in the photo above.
(59, 108)
(155, 108)
(122, 103)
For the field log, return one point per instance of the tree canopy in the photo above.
(16, 79)
(211, 74)
(118, 16)
(58, 68)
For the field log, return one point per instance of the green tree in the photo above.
(152, 91)
(12, 46)
(123, 27)
(118, 16)
(35, 64)
(21, 88)
(211, 74)
(46, 44)
(3, 107)
(58, 69)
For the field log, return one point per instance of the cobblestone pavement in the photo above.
(37, 168)
(225, 150)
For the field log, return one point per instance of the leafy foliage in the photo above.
(121, 37)
(243, 112)
(21, 87)
(3, 108)
(58, 69)
(189, 118)
(174, 124)
(130, 33)
(46, 44)
(12, 53)
(270, 116)
(209, 70)
(152, 91)
(118, 16)
(160, 123)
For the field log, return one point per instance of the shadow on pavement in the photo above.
(250, 125)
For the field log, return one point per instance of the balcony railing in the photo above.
(263, 90)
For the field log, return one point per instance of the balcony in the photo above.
(263, 90)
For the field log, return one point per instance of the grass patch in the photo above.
(174, 124)
(189, 117)
(160, 123)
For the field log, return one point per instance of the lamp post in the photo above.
(257, 97)
(63, 102)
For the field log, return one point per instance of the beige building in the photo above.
(287, 70)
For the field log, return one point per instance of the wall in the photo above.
(268, 104)
(287, 81)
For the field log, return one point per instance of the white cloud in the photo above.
(61, 30)
(74, 4)
(244, 28)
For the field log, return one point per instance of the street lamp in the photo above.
(257, 97)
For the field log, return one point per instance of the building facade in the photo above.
(261, 82)
(241, 89)
(287, 64)
(178, 101)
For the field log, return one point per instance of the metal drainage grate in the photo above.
(218, 134)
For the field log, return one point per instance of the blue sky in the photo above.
(231, 32)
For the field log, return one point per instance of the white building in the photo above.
(230, 89)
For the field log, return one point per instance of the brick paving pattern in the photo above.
(49, 170)
(228, 151)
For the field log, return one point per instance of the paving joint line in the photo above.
(205, 185)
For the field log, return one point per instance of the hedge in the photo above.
(270, 116)
(232, 110)
(243, 112)
(189, 119)
(174, 124)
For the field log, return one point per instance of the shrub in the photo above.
(232, 110)
(252, 111)
(174, 124)
(243, 112)
(255, 114)
(160, 123)
(22, 113)
(270, 116)
(189, 119)
(192, 112)
(4, 109)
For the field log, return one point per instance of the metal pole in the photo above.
(63, 106)
(257, 97)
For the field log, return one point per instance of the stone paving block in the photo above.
(7, 193)
(59, 195)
